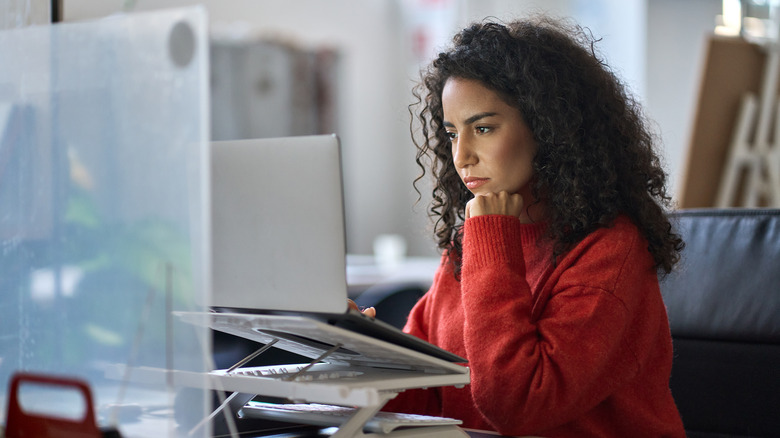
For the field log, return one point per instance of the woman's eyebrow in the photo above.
(478, 116)
(470, 120)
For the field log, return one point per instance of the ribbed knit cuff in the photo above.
(496, 239)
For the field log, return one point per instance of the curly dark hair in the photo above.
(595, 158)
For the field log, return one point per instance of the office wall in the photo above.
(655, 45)
(15, 14)
(373, 117)
(676, 40)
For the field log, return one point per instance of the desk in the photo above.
(363, 272)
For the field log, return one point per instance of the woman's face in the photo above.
(492, 147)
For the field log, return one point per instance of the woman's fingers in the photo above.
(495, 203)
(368, 312)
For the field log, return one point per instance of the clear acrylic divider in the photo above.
(104, 225)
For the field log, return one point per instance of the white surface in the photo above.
(364, 271)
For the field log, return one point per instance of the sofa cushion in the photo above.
(727, 284)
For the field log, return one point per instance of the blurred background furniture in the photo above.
(262, 87)
(723, 303)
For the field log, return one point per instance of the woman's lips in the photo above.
(474, 182)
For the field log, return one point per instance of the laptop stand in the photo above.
(346, 369)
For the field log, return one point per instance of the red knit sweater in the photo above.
(581, 349)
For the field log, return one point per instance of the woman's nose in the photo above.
(462, 153)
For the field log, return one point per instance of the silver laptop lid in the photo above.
(278, 225)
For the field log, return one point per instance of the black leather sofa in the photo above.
(723, 302)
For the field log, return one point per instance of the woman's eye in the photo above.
(452, 135)
(482, 129)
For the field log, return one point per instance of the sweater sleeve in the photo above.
(532, 373)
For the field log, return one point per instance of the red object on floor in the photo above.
(21, 424)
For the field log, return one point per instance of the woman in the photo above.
(549, 206)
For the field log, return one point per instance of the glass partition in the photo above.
(103, 213)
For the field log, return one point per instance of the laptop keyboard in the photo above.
(329, 415)
(286, 372)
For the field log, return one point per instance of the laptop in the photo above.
(279, 247)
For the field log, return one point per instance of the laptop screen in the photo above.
(278, 241)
